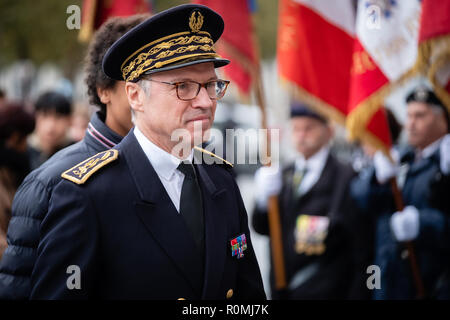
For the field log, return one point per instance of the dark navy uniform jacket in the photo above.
(337, 275)
(31, 203)
(123, 232)
(432, 246)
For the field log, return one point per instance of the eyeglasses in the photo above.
(189, 90)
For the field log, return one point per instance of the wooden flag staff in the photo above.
(273, 208)
(399, 204)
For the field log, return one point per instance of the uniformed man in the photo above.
(425, 219)
(141, 221)
(315, 212)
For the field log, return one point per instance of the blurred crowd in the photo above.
(386, 209)
(28, 137)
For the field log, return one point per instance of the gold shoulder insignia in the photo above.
(82, 171)
(222, 161)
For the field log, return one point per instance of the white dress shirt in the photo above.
(430, 149)
(165, 165)
(314, 167)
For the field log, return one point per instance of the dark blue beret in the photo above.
(425, 95)
(301, 110)
(174, 38)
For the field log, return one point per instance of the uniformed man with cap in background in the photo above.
(315, 213)
(424, 221)
(145, 220)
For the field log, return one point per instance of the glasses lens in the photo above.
(216, 89)
(187, 90)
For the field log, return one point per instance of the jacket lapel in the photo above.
(214, 200)
(158, 214)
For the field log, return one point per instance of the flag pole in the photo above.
(399, 204)
(275, 234)
(273, 208)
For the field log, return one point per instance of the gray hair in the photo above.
(144, 84)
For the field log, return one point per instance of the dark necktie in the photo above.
(191, 206)
(296, 181)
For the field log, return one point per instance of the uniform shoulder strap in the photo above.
(82, 171)
(218, 159)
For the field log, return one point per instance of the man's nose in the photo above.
(202, 100)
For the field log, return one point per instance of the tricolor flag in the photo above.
(95, 12)
(314, 52)
(385, 52)
(237, 42)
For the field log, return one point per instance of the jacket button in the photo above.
(229, 293)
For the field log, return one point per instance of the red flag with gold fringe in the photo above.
(342, 64)
(314, 53)
(384, 55)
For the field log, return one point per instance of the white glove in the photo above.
(384, 168)
(445, 154)
(268, 183)
(405, 224)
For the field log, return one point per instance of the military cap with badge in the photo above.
(175, 38)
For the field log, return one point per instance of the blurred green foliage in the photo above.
(37, 30)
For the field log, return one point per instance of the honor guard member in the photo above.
(315, 212)
(425, 218)
(106, 129)
(143, 221)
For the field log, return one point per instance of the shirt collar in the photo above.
(431, 149)
(163, 162)
(315, 162)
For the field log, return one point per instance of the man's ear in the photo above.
(135, 96)
(104, 95)
(331, 130)
(442, 123)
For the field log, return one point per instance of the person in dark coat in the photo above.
(15, 125)
(315, 213)
(147, 220)
(105, 129)
(424, 221)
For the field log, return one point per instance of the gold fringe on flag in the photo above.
(334, 114)
(433, 55)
